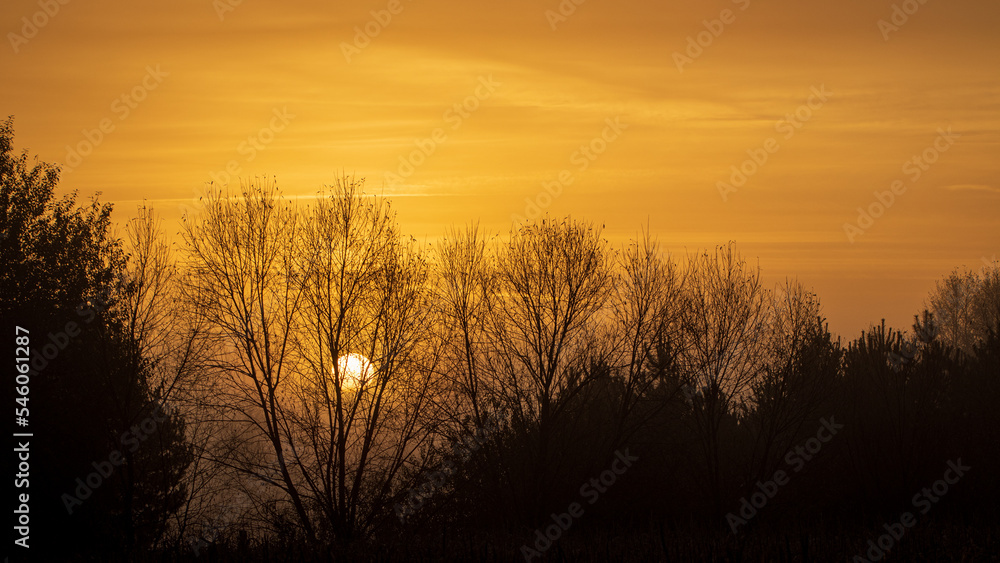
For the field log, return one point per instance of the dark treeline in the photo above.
(298, 381)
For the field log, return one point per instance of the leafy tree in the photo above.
(63, 279)
(55, 254)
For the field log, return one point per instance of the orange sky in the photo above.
(204, 85)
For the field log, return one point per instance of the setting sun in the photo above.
(393, 280)
(354, 369)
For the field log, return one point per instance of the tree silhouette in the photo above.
(725, 307)
(284, 295)
(303, 382)
(64, 279)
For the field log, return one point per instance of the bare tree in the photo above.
(142, 364)
(645, 320)
(370, 360)
(797, 376)
(169, 333)
(321, 332)
(966, 306)
(551, 281)
(464, 291)
(244, 284)
(725, 304)
(154, 312)
(987, 319)
(954, 305)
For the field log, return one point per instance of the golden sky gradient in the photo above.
(217, 76)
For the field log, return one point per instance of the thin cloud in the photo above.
(972, 187)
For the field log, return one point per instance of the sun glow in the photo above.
(354, 369)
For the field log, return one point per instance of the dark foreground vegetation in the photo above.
(537, 396)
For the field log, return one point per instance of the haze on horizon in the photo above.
(463, 112)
